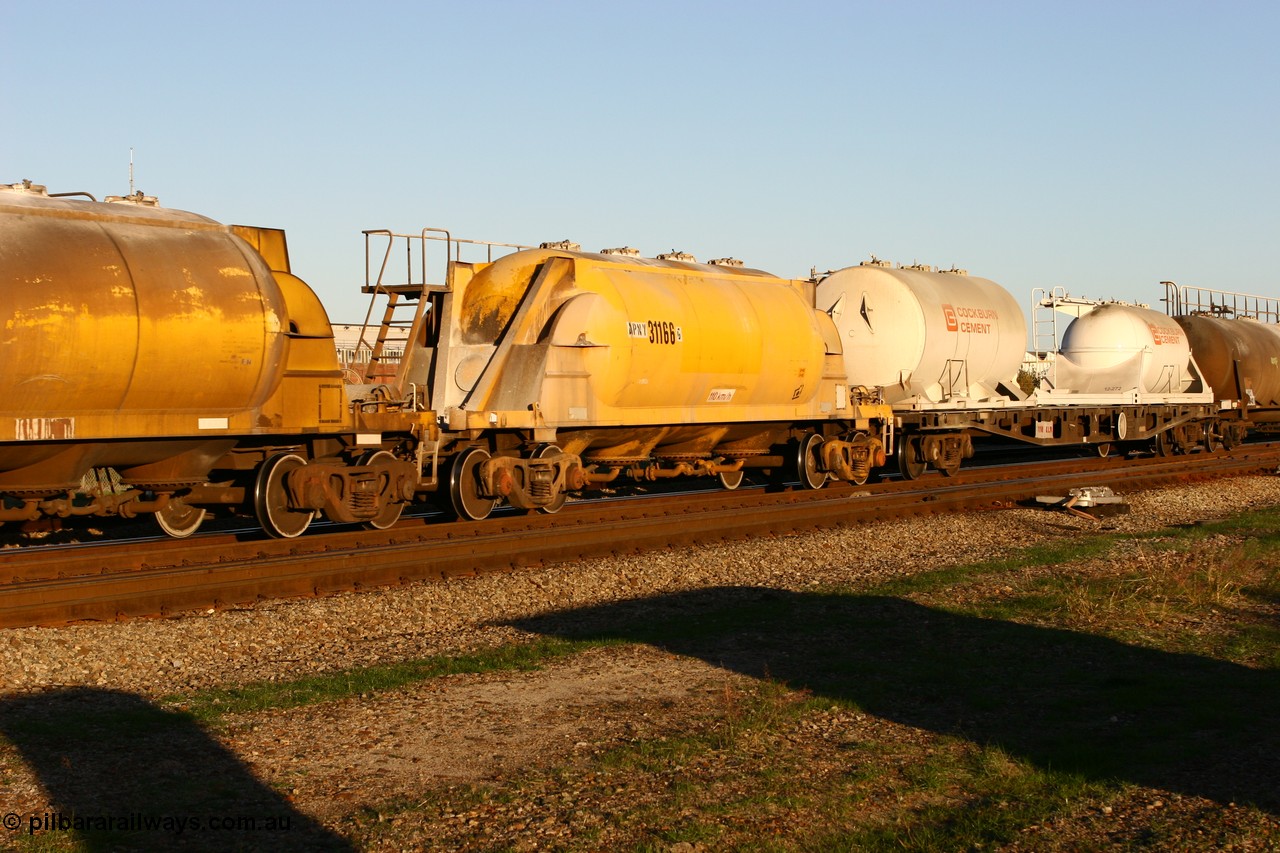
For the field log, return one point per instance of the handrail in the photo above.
(1191, 299)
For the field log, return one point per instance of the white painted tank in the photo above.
(1122, 348)
(926, 337)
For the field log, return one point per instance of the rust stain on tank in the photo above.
(49, 314)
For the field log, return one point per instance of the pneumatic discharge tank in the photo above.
(665, 348)
(121, 321)
(925, 337)
(1118, 348)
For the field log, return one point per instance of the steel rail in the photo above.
(47, 586)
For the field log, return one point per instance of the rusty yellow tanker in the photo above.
(581, 367)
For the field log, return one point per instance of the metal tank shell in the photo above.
(693, 338)
(1118, 348)
(925, 336)
(623, 359)
(659, 336)
(1240, 357)
(126, 320)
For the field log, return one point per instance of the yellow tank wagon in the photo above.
(551, 370)
(182, 355)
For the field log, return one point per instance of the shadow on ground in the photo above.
(137, 776)
(1063, 700)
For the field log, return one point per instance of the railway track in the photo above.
(107, 581)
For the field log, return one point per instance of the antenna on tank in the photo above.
(131, 171)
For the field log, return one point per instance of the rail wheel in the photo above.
(1104, 449)
(807, 456)
(1212, 439)
(464, 486)
(271, 498)
(732, 479)
(179, 519)
(388, 510)
(557, 503)
(1164, 444)
(910, 460)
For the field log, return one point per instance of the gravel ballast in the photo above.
(278, 640)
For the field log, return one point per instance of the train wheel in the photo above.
(911, 463)
(557, 503)
(1229, 438)
(179, 519)
(388, 511)
(807, 456)
(732, 479)
(464, 486)
(1164, 444)
(271, 498)
(1212, 437)
(1104, 449)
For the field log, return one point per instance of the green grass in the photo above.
(371, 680)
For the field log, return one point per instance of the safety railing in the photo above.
(1189, 299)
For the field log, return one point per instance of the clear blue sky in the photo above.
(1103, 146)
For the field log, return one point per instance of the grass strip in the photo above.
(208, 705)
(1050, 554)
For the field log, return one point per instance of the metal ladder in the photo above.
(404, 303)
(413, 300)
(1044, 318)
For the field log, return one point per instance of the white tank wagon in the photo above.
(931, 340)
(1126, 351)
(1125, 376)
(939, 347)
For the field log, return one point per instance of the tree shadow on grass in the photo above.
(1062, 700)
(127, 775)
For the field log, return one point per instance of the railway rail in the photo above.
(116, 580)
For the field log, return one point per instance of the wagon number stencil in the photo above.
(656, 331)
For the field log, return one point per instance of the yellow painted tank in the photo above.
(112, 310)
(582, 339)
(133, 337)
